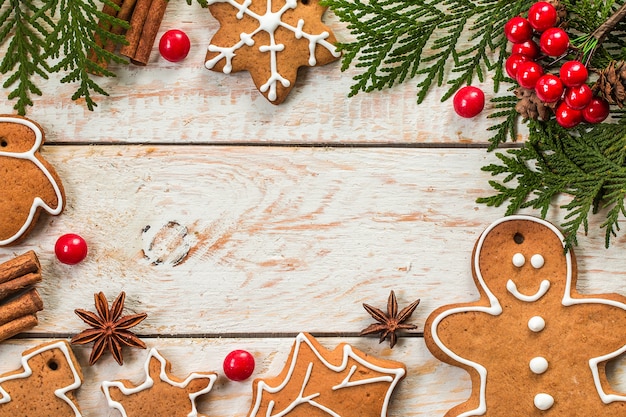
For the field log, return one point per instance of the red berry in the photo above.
(573, 73)
(518, 29)
(549, 88)
(513, 62)
(174, 45)
(596, 111)
(542, 16)
(568, 117)
(70, 249)
(238, 365)
(469, 101)
(528, 73)
(554, 42)
(578, 97)
(528, 48)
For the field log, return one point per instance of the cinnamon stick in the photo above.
(137, 21)
(106, 26)
(27, 303)
(16, 326)
(18, 284)
(24, 264)
(148, 34)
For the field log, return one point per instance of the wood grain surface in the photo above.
(236, 224)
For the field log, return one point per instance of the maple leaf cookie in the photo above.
(532, 344)
(319, 382)
(161, 394)
(44, 385)
(28, 183)
(270, 39)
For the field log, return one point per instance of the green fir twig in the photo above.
(24, 56)
(56, 37)
(588, 164)
(437, 42)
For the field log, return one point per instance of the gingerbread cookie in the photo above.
(161, 394)
(29, 183)
(271, 39)
(44, 385)
(532, 344)
(316, 381)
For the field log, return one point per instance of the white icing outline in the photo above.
(395, 374)
(60, 392)
(30, 156)
(543, 289)
(268, 22)
(495, 309)
(149, 382)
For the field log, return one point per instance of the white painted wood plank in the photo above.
(272, 239)
(184, 102)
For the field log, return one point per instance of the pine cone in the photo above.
(530, 106)
(611, 83)
(561, 11)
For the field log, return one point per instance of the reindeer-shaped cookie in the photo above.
(28, 184)
(532, 344)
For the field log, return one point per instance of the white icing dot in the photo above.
(519, 260)
(536, 324)
(537, 261)
(544, 401)
(538, 365)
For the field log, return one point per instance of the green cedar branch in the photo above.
(68, 36)
(396, 40)
(24, 56)
(587, 163)
(36, 37)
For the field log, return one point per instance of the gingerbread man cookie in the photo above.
(532, 344)
(271, 39)
(44, 385)
(29, 184)
(161, 394)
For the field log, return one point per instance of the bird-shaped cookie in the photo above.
(28, 184)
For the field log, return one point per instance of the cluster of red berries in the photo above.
(573, 98)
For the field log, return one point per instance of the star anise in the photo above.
(109, 330)
(389, 323)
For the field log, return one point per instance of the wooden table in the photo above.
(236, 224)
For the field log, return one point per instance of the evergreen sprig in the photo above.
(589, 164)
(59, 31)
(25, 54)
(439, 42)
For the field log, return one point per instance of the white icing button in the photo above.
(536, 324)
(537, 261)
(519, 260)
(544, 401)
(538, 365)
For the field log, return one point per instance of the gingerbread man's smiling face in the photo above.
(522, 259)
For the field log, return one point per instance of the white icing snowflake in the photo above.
(269, 22)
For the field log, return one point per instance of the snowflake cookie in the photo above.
(532, 344)
(271, 39)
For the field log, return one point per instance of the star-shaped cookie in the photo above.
(271, 39)
(161, 394)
